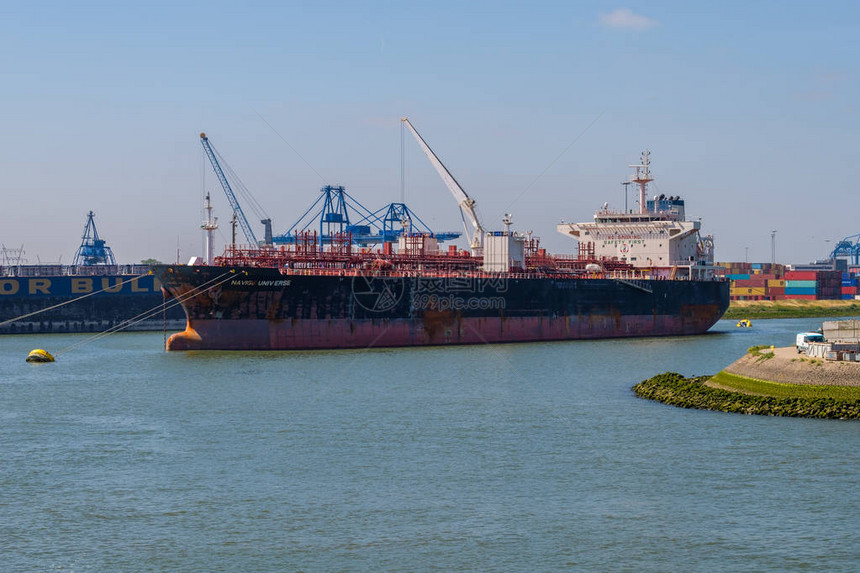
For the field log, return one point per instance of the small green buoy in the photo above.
(39, 355)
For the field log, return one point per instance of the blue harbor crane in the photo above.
(217, 161)
(93, 250)
(394, 220)
(848, 248)
(331, 211)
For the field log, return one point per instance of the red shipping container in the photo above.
(849, 290)
(801, 297)
(779, 291)
(801, 275)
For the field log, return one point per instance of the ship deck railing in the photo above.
(48, 270)
(432, 274)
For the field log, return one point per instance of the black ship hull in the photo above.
(243, 308)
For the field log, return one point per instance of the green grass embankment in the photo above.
(753, 309)
(748, 396)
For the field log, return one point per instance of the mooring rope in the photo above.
(151, 312)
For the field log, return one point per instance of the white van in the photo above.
(804, 338)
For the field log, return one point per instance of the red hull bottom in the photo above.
(307, 334)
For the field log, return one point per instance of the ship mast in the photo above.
(209, 225)
(642, 178)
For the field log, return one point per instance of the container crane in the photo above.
(466, 203)
(331, 211)
(93, 250)
(231, 197)
(849, 248)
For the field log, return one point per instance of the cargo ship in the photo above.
(91, 295)
(642, 273)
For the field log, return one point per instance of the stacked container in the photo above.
(753, 287)
(765, 281)
(849, 286)
(753, 281)
(813, 285)
(830, 285)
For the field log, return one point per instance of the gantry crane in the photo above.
(332, 212)
(849, 248)
(93, 250)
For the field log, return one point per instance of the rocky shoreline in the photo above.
(766, 381)
(675, 390)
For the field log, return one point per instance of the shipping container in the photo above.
(746, 291)
(801, 297)
(751, 282)
(830, 277)
(800, 290)
(800, 284)
(801, 275)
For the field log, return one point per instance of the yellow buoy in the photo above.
(39, 355)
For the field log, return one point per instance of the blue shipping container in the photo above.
(800, 284)
(799, 290)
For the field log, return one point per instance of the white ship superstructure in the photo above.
(656, 237)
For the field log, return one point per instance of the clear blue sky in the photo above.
(750, 110)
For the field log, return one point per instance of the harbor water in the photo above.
(520, 457)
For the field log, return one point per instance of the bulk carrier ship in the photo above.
(90, 295)
(642, 273)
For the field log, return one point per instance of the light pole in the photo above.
(773, 247)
